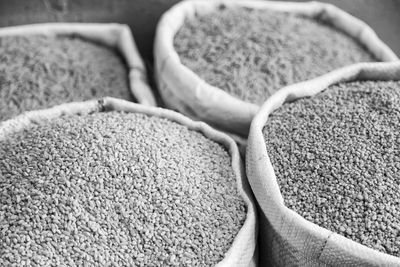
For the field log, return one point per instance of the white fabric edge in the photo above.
(201, 97)
(199, 100)
(245, 240)
(266, 188)
(113, 35)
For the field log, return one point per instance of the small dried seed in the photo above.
(111, 213)
(353, 132)
(251, 53)
(42, 71)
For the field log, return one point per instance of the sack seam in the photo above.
(323, 248)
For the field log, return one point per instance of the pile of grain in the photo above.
(116, 189)
(336, 159)
(251, 53)
(40, 71)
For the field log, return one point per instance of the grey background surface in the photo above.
(142, 15)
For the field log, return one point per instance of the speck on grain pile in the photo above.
(41, 71)
(116, 189)
(251, 53)
(337, 162)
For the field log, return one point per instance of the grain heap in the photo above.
(336, 160)
(116, 189)
(42, 71)
(251, 53)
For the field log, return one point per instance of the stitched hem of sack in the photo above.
(323, 248)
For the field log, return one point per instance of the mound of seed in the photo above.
(116, 189)
(38, 72)
(337, 162)
(251, 53)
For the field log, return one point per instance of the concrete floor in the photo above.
(142, 15)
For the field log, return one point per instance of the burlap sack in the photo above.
(286, 238)
(114, 35)
(243, 250)
(183, 90)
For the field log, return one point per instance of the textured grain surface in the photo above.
(38, 72)
(143, 15)
(251, 53)
(336, 160)
(115, 189)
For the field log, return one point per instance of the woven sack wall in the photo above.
(286, 238)
(113, 35)
(183, 90)
(243, 251)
